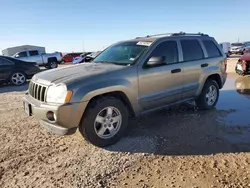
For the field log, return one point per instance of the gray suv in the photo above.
(129, 78)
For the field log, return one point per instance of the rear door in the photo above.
(193, 60)
(6, 68)
(161, 85)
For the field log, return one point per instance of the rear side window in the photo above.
(33, 53)
(191, 50)
(5, 62)
(167, 49)
(212, 50)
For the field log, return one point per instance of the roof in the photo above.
(25, 46)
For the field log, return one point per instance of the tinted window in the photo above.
(191, 50)
(168, 49)
(33, 53)
(5, 62)
(212, 50)
(236, 44)
(22, 54)
(1, 61)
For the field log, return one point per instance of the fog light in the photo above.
(51, 116)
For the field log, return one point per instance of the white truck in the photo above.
(49, 61)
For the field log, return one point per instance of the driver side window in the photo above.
(168, 50)
(22, 54)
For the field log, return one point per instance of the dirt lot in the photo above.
(179, 147)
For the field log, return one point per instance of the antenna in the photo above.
(83, 46)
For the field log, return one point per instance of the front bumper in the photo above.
(68, 116)
(236, 51)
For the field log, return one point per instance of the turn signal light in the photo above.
(68, 96)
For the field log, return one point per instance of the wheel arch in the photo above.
(118, 95)
(15, 71)
(51, 59)
(216, 77)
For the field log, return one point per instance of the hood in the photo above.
(72, 72)
(236, 47)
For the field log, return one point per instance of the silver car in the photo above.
(42, 59)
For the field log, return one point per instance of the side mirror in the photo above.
(156, 61)
(16, 56)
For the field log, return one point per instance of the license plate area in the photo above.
(27, 108)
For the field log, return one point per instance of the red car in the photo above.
(69, 57)
(243, 64)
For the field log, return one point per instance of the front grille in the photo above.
(37, 91)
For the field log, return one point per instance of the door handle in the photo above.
(175, 71)
(204, 65)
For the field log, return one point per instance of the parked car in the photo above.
(91, 56)
(80, 58)
(129, 78)
(239, 48)
(48, 60)
(243, 65)
(16, 71)
(69, 57)
(226, 48)
(247, 49)
(236, 48)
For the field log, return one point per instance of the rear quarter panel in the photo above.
(215, 67)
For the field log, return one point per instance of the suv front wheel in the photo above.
(104, 121)
(209, 95)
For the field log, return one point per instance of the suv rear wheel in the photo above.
(104, 122)
(209, 95)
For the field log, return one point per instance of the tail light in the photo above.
(61, 54)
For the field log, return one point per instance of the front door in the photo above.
(161, 85)
(5, 69)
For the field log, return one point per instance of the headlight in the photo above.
(58, 94)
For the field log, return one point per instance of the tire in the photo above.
(18, 78)
(90, 128)
(203, 102)
(52, 64)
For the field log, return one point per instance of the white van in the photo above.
(226, 48)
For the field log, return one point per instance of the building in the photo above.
(13, 50)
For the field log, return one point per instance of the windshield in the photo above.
(122, 53)
(236, 44)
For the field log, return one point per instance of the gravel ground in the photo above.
(178, 147)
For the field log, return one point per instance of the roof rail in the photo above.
(190, 34)
(175, 34)
(162, 34)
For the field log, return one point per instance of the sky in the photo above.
(81, 25)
